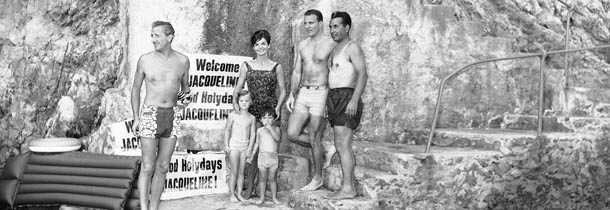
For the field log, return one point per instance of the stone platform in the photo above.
(478, 169)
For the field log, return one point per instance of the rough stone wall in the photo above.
(410, 46)
(533, 26)
(57, 58)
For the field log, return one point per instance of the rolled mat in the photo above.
(10, 178)
(77, 178)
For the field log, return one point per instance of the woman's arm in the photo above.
(239, 86)
(282, 87)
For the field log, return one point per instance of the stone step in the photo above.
(315, 200)
(444, 170)
(530, 122)
(400, 159)
(502, 140)
(466, 178)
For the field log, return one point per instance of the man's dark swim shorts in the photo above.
(336, 103)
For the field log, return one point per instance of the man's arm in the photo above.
(295, 79)
(185, 78)
(135, 92)
(359, 63)
(297, 71)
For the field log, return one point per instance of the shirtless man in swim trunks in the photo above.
(346, 79)
(309, 86)
(157, 123)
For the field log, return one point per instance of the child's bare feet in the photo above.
(276, 201)
(260, 201)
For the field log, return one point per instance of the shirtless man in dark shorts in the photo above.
(157, 123)
(309, 87)
(346, 79)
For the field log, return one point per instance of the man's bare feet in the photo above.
(240, 198)
(276, 201)
(260, 201)
(234, 199)
(313, 185)
(329, 151)
(340, 195)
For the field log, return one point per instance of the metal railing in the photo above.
(542, 57)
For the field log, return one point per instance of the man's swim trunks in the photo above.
(311, 99)
(160, 122)
(336, 103)
(267, 159)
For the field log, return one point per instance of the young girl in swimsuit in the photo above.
(239, 135)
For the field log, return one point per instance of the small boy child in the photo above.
(239, 136)
(268, 138)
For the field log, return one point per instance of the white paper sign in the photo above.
(196, 174)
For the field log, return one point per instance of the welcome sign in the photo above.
(212, 79)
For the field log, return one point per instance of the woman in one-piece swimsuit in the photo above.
(264, 78)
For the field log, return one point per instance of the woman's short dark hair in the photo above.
(260, 34)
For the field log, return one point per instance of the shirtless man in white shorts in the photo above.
(309, 86)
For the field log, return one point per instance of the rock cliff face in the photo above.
(67, 65)
(57, 60)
